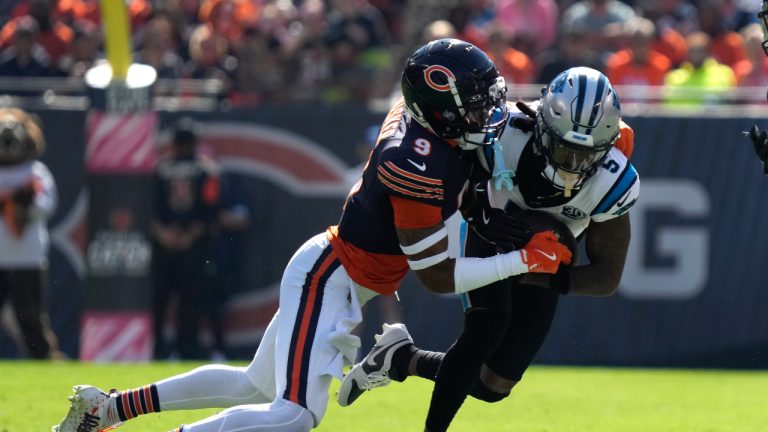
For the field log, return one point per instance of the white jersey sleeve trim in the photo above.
(426, 242)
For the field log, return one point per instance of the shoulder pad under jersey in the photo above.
(414, 167)
(624, 187)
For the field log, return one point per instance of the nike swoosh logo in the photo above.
(372, 358)
(550, 256)
(485, 220)
(421, 167)
(621, 203)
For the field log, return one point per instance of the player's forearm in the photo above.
(588, 280)
(593, 280)
(462, 275)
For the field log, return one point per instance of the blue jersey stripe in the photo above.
(621, 187)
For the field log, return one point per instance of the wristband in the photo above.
(473, 273)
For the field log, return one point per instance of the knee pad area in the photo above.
(483, 393)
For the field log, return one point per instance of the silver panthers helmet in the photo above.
(576, 125)
(762, 16)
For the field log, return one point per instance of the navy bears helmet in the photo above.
(453, 89)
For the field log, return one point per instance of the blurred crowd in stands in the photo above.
(352, 50)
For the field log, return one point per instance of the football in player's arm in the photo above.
(568, 162)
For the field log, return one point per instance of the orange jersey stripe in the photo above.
(402, 182)
(304, 329)
(410, 214)
(412, 176)
(381, 273)
(406, 191)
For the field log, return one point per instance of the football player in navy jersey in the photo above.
(395, 218)
(760, 137)
(557, 157)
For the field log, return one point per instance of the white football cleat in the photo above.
(373, 371)
(87, 412)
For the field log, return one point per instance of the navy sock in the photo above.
(400, 361)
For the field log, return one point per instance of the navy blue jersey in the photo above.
(409, 163)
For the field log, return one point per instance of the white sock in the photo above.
(279, 416)
(211, 386)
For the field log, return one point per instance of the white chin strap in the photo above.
(473, 137)
(563, 180)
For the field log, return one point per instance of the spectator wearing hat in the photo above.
(53, 34)
(83, 53)
(24, 58)
(596, 19)
(185, 208)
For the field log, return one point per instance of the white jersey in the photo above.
(607, 194)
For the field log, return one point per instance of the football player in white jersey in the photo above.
(760, 137)
(556, 157)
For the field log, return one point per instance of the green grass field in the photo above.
(550, 399)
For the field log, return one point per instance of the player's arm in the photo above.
(606, 244)
(427, 251)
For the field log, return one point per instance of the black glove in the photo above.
(496, 227)
(24, 195)
(524, 124)
(760, 141)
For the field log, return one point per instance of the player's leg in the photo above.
(485, 325)
(315, 299)
(211, 386)
(532, 310)
(395, 356)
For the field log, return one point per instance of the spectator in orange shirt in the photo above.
(727, 46)
(671, 44)
(638, 64)
(752, 72)
(54, 36)
(90, 10)
(228, 17)
(513, 65)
